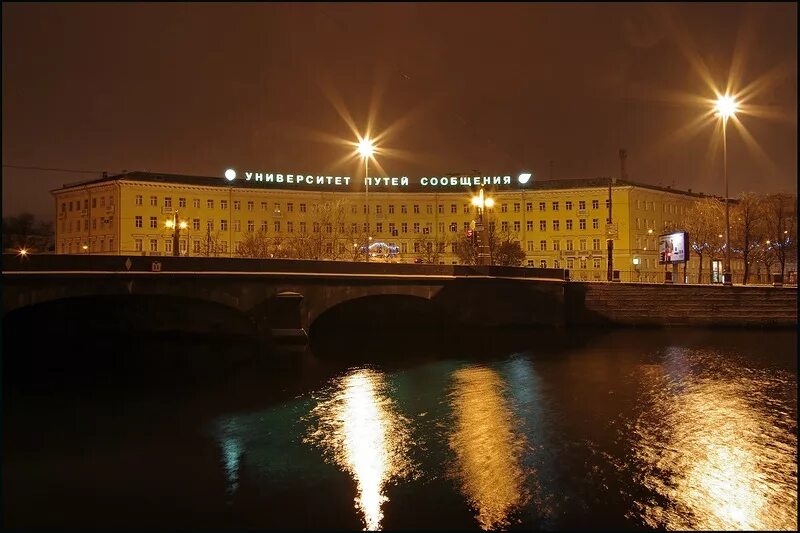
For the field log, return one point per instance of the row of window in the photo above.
(556, 245)
(237, 206)
(100, 245)
(392, 226)
(97, 201)
(70, 226)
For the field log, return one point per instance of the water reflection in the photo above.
(361, 431)
(232, 450)
(713, 449)
(487, 446)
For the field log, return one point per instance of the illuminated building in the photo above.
(559, 223)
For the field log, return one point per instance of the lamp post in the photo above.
(481, 202)
(366, 148)
(725, 107)
(176, 227)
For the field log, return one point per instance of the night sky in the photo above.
(556, 89)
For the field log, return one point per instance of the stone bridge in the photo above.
(287, 297)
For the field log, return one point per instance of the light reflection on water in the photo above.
(709, 448)
(487, 445)
(361, 431)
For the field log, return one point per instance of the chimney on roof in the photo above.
(690, 190)
(105, 174)
(623, 155)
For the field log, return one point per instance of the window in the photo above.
(378, 209)
(289, 207)
(111, 244)
(277, 226)
(391, 209)
(416, 209)
(403, 210)
(568, 205)
(181, 202)
(290, 226)
(582, 204)
(404, 227)
(504, 226)
(237, 205)
(556, 246)
(137, 245)
(516, 208)
(138, 221)
(237, 225)
(366, 227)
(582, 243)
(379, 227)
(595, 244)
(302, 208)
(251, 205)
(607, 202)
(569, 245)
(153, 201)
(516, 225)
(392, 228)
(555, 206)
(223, 204)
(416, 227)
(224, 246)
(453, 208)
(196, 247)
(529, 206)
(223, 225)
(530, 262)
(251, 225)
(264, 226)
(595, 223)
(315, 227)
(530, 245)
(167, 201)
(555, 263)
(303, 228)
(582, 223)
(168, 245)
(196, 224)
(504, 208)
(210, 224)
(86, 224)
(94, 203)
(542, 225)
(416, 247)
(543, 263)
(196, 203)
(569, 223)
(138, 200)
(638, 223)
(583, 262)
(596, 262)
(102, 201)
(595, 204)
(429, 209)
(153, 222)
(453, 227)
(541, 206)
(555, 225)
(543, 245)
(466, 209)
(529, 225)
(366, 208)
(440, 227)
(570, 263)
(153, 245)
(404, 247)
(94, 223)
(210, 204)
(466, 225)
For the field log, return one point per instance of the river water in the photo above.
(631, 429)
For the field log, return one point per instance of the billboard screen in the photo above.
(673, 248)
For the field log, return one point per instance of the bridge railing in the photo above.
(166, 264)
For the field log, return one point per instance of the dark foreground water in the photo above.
(675, 429)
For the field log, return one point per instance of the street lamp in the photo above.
(480, 202)
(725, 108)
(366, 148)
(177, 226)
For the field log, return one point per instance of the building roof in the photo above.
(218, 181)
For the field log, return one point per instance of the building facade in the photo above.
(558, 223)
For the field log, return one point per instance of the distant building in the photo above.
(559, 223)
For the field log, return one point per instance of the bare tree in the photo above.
(780, 214)
(212, 245)
(430, 248)
(703, 223)
(747, 229)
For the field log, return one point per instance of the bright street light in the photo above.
(726, 107)
(481, 202)
(367, 149)
(169, 223)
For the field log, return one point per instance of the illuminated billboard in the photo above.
(673, 248)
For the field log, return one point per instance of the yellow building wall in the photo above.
(104, 219)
